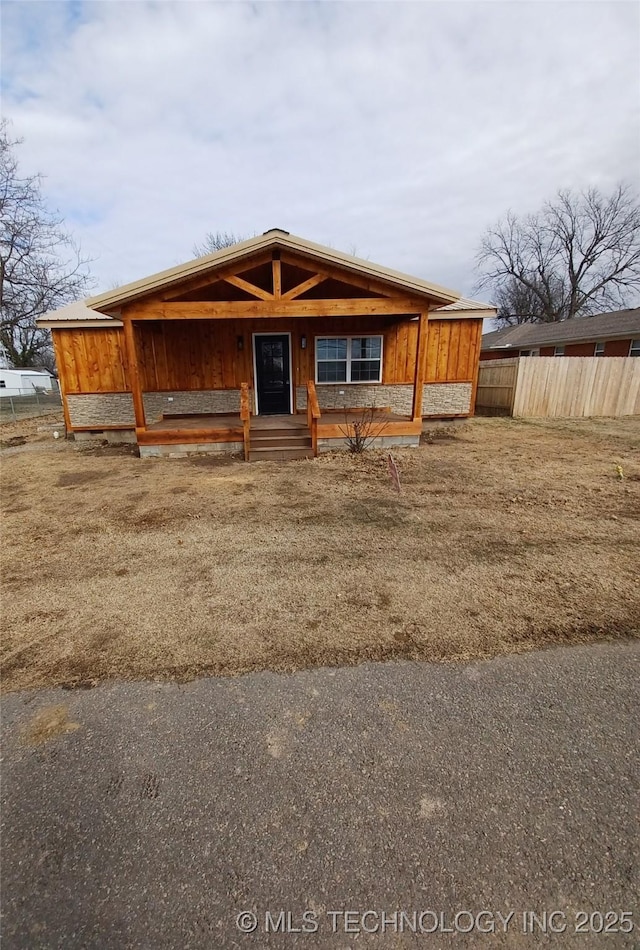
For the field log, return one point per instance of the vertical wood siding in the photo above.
(204, 354)
(91, 360)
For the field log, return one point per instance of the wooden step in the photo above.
(284, 432)
(296, 441)
(280, 453)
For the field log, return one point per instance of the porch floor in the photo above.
(232, 421)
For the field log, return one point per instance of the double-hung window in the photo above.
(599, 349)
(634, 349)
(349, 359)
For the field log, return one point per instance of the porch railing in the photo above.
(313, 414)
(245, 416)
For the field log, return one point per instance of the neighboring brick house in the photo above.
(605, 334)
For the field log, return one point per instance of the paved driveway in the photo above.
(160, 812)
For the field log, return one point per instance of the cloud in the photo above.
(398, 129)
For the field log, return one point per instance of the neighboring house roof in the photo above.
(619, 324)
(275, 238)
(25, 371)
(76, 314)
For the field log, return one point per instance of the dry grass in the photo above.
(506, 536)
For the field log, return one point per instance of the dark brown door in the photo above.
(272, 375)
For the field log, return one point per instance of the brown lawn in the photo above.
(506, 536)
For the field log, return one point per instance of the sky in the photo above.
(396, 131)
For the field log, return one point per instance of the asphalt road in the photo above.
(167, 810)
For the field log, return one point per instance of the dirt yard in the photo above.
(506, 536)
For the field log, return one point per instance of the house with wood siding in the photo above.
(604, 334)
(272, 347)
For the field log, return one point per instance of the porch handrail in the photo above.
(313, 414)
(245, 416)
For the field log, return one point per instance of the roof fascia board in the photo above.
(78, 324)
(461, 314)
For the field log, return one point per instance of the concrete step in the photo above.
(280, 454)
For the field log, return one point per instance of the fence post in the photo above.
(13, 411)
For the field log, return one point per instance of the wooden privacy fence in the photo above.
(560, 386)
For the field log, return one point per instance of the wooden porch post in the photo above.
(134, 374)
(421, 349)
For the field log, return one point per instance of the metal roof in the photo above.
(467, 306)
(76, 314)
(25, 371)
(275, 238)
(620, 324)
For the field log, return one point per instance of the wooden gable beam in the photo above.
(345, 276)
(304, 286)
(247, 309)
(277, 276)
(248, 287)
(213, 276)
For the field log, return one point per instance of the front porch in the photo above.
(274, 437)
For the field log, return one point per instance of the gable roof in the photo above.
(112, 300)
(617, 324)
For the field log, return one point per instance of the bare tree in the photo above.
(40, 266)
(215, 241)
(361, 428)
(517, 304)
(578, 255)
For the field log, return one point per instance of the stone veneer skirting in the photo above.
(206, 400)
(113, 409)
(359, 396)
(445, 399)
(101, 409)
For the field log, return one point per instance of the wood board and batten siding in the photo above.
(198, 354)
(91, 360)
(560, 387)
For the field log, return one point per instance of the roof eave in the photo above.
(597, 338)
(74, 324)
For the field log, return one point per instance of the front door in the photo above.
(273, 387)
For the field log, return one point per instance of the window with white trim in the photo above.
(349, 359)
(558, 351)
(634, 349)
(599, 349)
